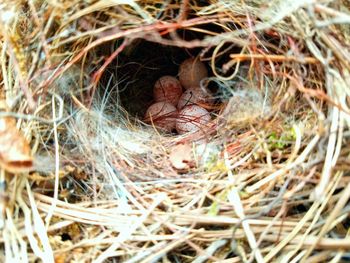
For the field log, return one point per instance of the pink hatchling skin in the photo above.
(192, 118)
(191, 72)
(163, 115)
(195, 95)
(167, 89)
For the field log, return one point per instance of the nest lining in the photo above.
(125, 92)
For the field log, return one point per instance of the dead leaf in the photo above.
(181, 157)
(15, 154)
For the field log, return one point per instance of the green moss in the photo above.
(282, 141)
(215, 206)
(216, 166)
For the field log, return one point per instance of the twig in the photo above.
(57, 167)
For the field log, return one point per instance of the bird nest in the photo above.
(84, 177)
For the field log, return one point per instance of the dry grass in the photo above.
(269, 179)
